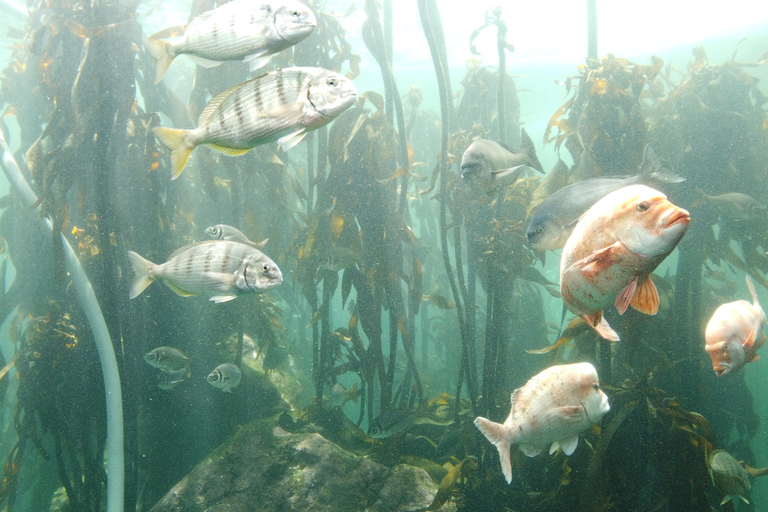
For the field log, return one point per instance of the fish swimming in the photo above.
(735, 333)
(551, 409)
(282, 106)
(730, 477)
(168, 359)
(225, 377)
(339, 258)
(218, 269)
(488, 165)
(338, 395)
(247, 30)
(613, 249)
(554, 218)
(169, 379)
(391, 422)
(734, 205)
(231, 233)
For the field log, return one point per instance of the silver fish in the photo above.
(282, 106)
(225, 377)
(730, 477)
(247, 30)
(218, 269)
(734, 205)
(391, 422)
(554, 219)
(168, 358)
(339, 258)
(227, 232)
(169, 379)
(487, 165)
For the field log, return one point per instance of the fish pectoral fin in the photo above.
(756, 357)
(646, 298)
(570, 412)
(501, 173)
(625, 296)
(286, 142)
(257, 60)
(597, 261)
(749, 342)
(600, 324)
(530, 451)
(203, 62)
(229, 151)
(568, 445)
(177, 290)
(223, 298)
(498, 435)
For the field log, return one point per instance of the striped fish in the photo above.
(246, 30)
(282, 106)
(219, 269)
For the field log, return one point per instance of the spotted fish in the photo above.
(247, 30)
(218, 269)
(282, 106)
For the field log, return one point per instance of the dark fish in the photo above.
(282, 106)
(169, 379)
(168, 358)
(391, 422)
(554, 219)
(488, 165)
(247, 30)
(730, 477)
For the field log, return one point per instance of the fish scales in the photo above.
(229, 34)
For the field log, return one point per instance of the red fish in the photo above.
(552, 409)
(734, 333)
(614, 248)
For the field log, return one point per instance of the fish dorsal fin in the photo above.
(600, 324)
(203, 62)
(178, 290)
(752, 292)
(229, 151)
(286, 142)
(215, 103)
(569, 445)
(179, 251)
(646, 298)
(625, 296)
(530, 451)
(198, 20)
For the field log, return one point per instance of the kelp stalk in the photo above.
(111, 375)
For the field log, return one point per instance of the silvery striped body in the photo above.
(245, 27)
(219, 269)
(262, 110)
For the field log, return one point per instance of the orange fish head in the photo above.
(725, 358)
(646, 222)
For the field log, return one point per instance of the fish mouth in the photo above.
(722, 370)
(678, 216)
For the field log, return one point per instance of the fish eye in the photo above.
(265, 267)
(596, 386)
(540, 229)
(331, 82)
(643, 206)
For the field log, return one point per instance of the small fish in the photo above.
(227, 232)
(247, 30)
(218, 269)
(613, 250)
(339, 395)
(282, 106)
(339, 258)
(391, 422)
(552, 408)
(554, 219)
(734, 205)
(225, 377)
(169, 379)
(735, 333)
(730, 477)
(488, 165)
(168, 358)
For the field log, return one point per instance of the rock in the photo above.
(263, 467)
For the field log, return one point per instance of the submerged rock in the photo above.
(263, 467)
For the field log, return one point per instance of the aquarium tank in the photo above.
(411, 256)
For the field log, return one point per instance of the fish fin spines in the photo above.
(646, 298)
(174, 140)
(161, 52)
(625, 296)
(598, 260)
(601, 326)
(653, 171)
(749, 342)
(569, 445)
(141, 274)
(752, 291)
(292, 139)
(215, 103)
(497, 434)
(530, 451)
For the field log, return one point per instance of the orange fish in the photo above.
(614, 248)
(551, 410)
(734, 333)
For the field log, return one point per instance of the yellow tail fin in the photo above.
(174, 140)
(161, 52)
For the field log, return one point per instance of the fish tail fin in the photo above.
(497, 434)
(174, 140)
(653, 172)
(161, 52)
(141, 275)
(527, 147)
